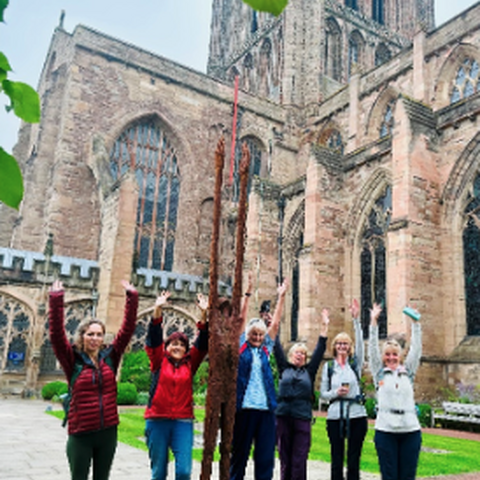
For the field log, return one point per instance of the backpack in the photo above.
(352, 361)
(77, 370)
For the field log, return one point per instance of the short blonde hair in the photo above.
(297, 346)
(392, 344)
(83, 327)
(342, 337)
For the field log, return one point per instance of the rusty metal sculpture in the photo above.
(225, 323)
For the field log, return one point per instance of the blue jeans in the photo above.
(177, 435)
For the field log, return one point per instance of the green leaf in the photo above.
(4, 65)
(3, 6)
(24, 100)
(11, 182)
(272, 6)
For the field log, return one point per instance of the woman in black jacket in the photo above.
(295, 395)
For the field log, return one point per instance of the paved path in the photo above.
(32, 447)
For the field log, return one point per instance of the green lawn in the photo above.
(440, 455)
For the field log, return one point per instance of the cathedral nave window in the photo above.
(467, 80)
(373, 261)
(145, 149)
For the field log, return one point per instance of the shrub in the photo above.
(200, 398)
(142, 398)
(371, 407)
(424, 411)
(136, 370)
(200, 380)
(54, 389)
(127, 394)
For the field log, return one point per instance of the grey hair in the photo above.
(257, 324)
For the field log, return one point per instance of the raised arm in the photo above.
(277, 314)
(280, 356)
(127, 329)
(359, 345)
(412, 361)
(319, 352)
(374, 355)
(154, 344)
(61, 346)
(246, 301)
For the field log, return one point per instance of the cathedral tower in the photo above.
(312, 49)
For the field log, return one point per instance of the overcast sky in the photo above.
(176, 29)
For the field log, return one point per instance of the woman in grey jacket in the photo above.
(397, 430)
(346, 417)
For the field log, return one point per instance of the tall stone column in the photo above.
(116, 250)
(322, 257)
(414, 260)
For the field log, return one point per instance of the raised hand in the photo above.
(282, 288)
(128, 286)
(375, 312)
(57, 286)
(202, 301)
(354, 308)
(162, 299)
(325, 316)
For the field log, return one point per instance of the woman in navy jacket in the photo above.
(295, 396)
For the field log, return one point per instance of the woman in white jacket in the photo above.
(397, 430)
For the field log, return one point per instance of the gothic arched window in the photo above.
(335, 142)
(467, 80)
(378, 12)
(373, 260)
(145, 149)
(295, 291)
(386, 126)
(254, 24)
(355, 50)
(382, 54)
(333, 50)
(352, 4)
(255, 147)
(471, 260)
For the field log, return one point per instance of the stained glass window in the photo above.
(255, 149)
(145, 149)
(373, 261)
(295, 291)
(333, 49)
(467, 80)
(352, 4)
(471, 260)
(387, 122)
(335, 142)
(382, 54)
(378, 11)
(15, 321)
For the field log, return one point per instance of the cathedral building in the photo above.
(362, 122)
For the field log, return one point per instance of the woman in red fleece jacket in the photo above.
(169, 414)
(93, 415)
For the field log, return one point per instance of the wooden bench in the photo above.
(458, 412)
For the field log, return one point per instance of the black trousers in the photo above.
(337, 432)
(98, 447)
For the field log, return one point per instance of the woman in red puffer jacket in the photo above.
(169, 415)
(93, 415)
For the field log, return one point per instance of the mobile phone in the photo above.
(413, 314)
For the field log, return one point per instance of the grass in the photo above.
(440, 455)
